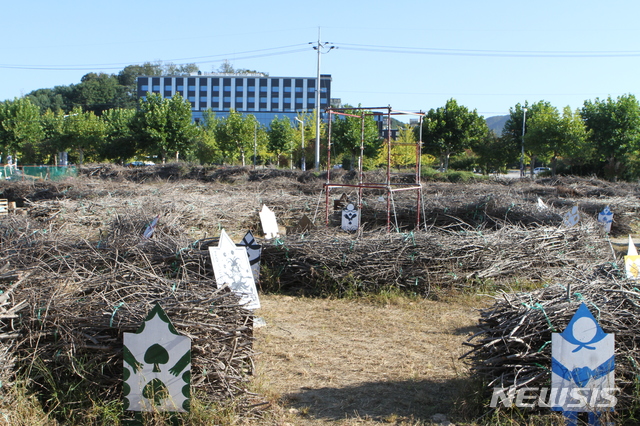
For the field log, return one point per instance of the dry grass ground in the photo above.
(372, 362)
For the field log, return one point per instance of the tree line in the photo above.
(101, 119)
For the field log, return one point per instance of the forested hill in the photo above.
(497, 123)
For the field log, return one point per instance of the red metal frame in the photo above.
(388, 185)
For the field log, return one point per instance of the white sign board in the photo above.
(350, 218)
(605, 218)
(571, 218)
(542, 205)
(632, 261)
(269, 223)
(582, 366)
(157, 366)
(231, 267)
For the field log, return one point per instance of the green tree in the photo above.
(235, 135)
(52, 141)
(99, 92)
(120, 144)
(613, 127)
(281, 138)
(493, 153)
(353, 135)
(83, 132)
(164, 125)
(511, 138)
(403, 150)
(20, 129)
(543, 135)
(450, 130)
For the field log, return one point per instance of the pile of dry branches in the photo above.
(70, 300)
(513, 348)
(335, 262)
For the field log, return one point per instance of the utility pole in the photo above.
(318, 47)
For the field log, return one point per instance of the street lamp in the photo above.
(303, 166)
(318, 47)
(524, 119)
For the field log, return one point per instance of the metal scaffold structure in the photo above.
(388, 186)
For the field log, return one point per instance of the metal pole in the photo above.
(316, 163)
(303, 160)
(524, 119)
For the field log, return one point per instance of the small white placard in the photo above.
(269, 223)
(231, 266)
(350, 218)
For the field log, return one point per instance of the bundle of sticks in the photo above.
(67, 301)
(513, 347)
(326, 261)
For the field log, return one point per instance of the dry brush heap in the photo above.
(71, 299)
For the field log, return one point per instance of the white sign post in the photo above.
(157, 366)
(231, 267)
(269, 223)
(572, 217)
(350, 218)
(582, 369)
(632, 261)
(605, 218)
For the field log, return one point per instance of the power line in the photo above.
(492, 53)
(250, 54)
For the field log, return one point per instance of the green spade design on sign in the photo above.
(156, 362)
(155, 391)
(156, 355)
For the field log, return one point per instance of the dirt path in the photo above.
(347, 362)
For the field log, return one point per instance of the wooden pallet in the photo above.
(4, 207)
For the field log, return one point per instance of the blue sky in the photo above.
(411, 55)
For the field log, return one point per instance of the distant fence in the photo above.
(38, 172)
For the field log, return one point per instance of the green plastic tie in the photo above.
(543, 346)
(114, 313)
(538, 306)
